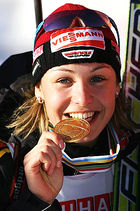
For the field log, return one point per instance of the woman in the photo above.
(76, 74)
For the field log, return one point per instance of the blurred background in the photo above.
(18, 23)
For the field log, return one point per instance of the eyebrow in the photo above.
(102, 65)
(63, 69)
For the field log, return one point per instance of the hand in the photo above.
(43, 167)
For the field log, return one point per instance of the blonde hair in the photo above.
(32, 115)
(28, 117)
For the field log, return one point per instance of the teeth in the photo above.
(81, 115)
(85, 116)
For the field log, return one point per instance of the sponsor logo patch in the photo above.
(67, 38)
(38, 52)
(78, 54)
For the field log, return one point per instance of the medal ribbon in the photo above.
(90, 164)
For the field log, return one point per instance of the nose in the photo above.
(82, 94)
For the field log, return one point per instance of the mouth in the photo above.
(88, 116)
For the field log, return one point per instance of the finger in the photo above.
(51, 157)
(48, 154)
(49, 147)
(56, 138)
(48, 161)
(45, 152)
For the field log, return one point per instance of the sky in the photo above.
(18, 25)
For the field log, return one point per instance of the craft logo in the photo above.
(78, 54)
(77, 37)
(19, 183)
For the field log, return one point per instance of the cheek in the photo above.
(110, 103)
(55, 102)
(107, 98)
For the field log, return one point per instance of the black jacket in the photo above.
(26, 200)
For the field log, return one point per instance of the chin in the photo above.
(86, 141)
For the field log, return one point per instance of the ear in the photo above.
(117, 89)
(38, 91)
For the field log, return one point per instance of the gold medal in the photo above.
(72, 129)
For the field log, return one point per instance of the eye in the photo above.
(64, 81)
(97, 79)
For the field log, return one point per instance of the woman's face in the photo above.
(86, 90)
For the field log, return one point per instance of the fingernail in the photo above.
(61, 144)
(59, 163)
